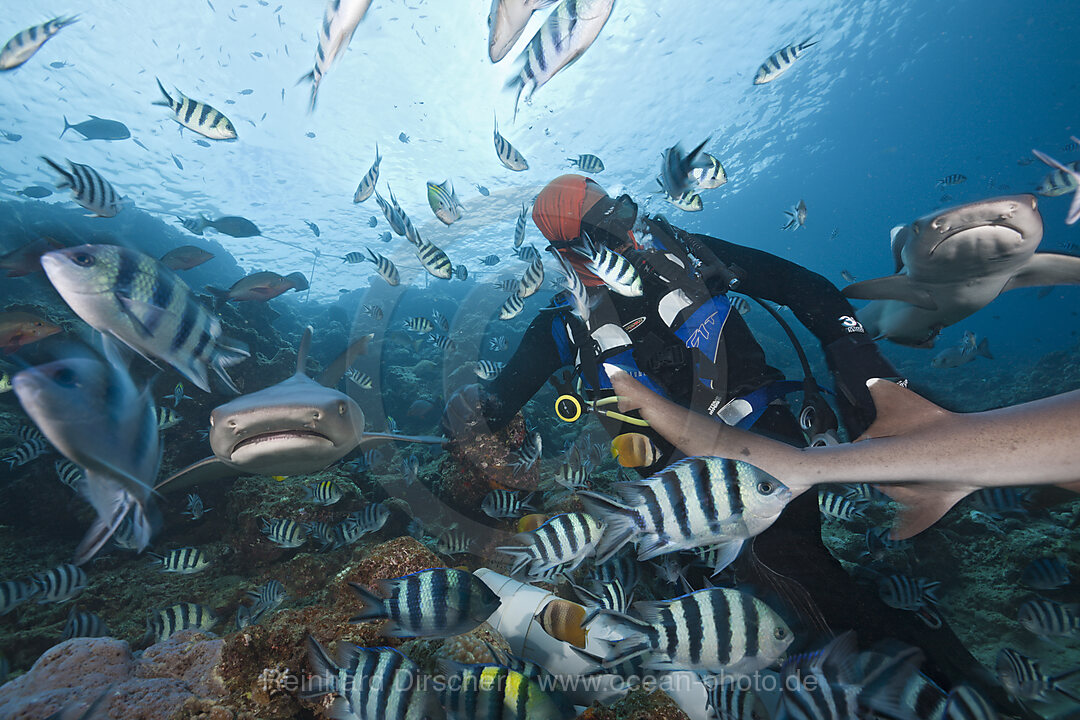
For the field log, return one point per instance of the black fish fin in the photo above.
(333, 372)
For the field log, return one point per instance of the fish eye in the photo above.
(65, 377)
(779, 633)
(83, 259)
(765, 487)
(341, 408)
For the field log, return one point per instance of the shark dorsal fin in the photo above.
(899, 410)
(302, 353)
(333, 372)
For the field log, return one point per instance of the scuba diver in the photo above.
(681, 336)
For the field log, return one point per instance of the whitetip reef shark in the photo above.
(921, 455)
(296, 427)
(953, 262)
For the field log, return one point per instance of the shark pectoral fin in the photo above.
(1073, 486)
(921, 505)
(892, 287)
(899, 410)
(205, 470)
(1046, 269)
(333, 372)
(383, 437)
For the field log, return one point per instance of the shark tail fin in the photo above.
(983, 349)
(899, 410)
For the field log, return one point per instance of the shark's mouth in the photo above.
(953, 232)
(279, 435)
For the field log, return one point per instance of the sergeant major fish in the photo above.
(335, 33)
(133, 297)
(562, 39)
(89, 188)
(587, 163)
(367, 183)
(558, 546)
(506, 20)
(197, 116)
(22, 46)
(781, 61)
(507, 154)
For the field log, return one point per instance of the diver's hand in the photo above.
(462, 410)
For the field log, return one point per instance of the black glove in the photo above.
(463, 410)
(854, 359)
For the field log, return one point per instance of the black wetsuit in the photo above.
(790, 557)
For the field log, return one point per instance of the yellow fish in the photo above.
(561, 619)
(531, 522)
(634, 450)
(279, 478)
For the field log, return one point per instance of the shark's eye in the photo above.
(1034, 203)
(211, 421)
(316, 415)
(341, 409)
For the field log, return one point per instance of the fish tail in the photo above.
(619, 519)
(809, 42)
(522, 554)
(324, 671)
(226, 354)
(67, 175)
(983, 349)
(517, 81)
(314, 80)
(67, 126)
(168, 101)
(373, 606)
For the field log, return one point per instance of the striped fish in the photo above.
(22, 46)
(442, 602)
(393, 218)
(283, 532)
(475, 692)
(375, 312)
(434, 260)
(717, 630)
(59, 584)
(197, 116)
(367, 183)
(167, 418)
(183, 561)
(623, 567)
(558, 546)
(1046, 573)
(14, 593)
(195, 508)
(508, 285)
(370, 683)
(360, 523)
(954, 179)
(502, 504)
(527, 253)
(27, 452)
(454, 542)
(122, 292)
(419, 325)
(689, 201)
(780, 61)
(88, 188)
(966, 703)
(532, 447)
(440, 320)
(354, 257)
(512, 307)
(83, 625)
(506, 21)
(508, 155)
(1067, 176)
(1046, 618)
(694, 503)
(488, 369)
(611, 267)
(675, 167)
(444, 202)
(410, 469)
(710, 177)
(519, 226)
(320, 532)
(572, 477)
(587, 163)
(362, 379)
(269, 596)
(69, 473)
(163, 624)
(566, 34)
(917, 595)
(325, 493)
(461, 272)
(498, 344)
(734, 701)
(339, 23)
(532, 279)
(610, 595)
(839, 507)
(386, 269)
(443, 342)
(1023, 679)
(490, 260)
(1002, 500)
(823, 685)
(579, 296)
